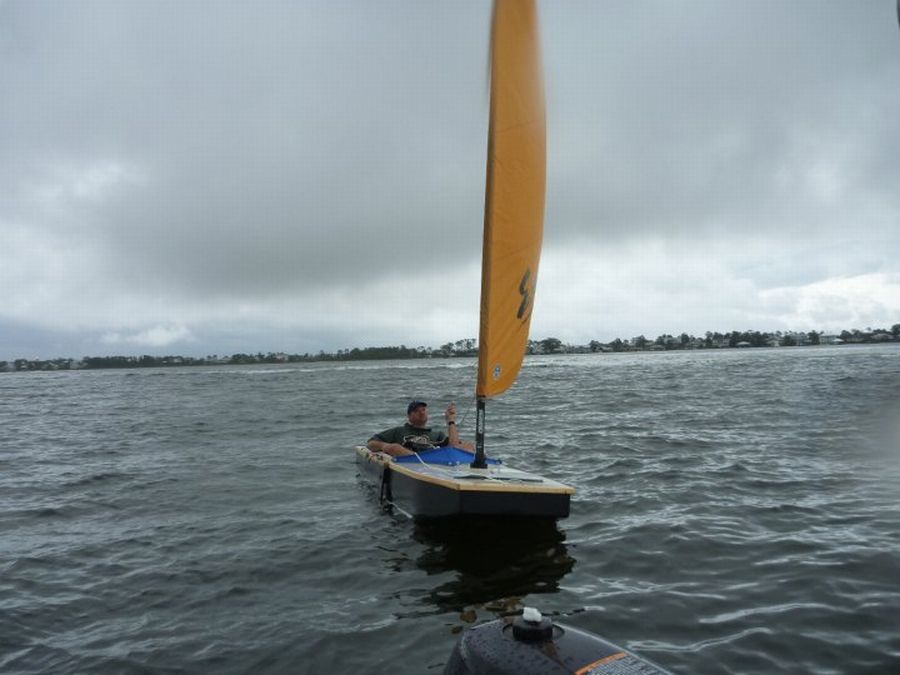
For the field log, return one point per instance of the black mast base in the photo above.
(479, 462)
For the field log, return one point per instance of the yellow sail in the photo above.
(514, 197)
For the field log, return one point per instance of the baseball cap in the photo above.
(413, 405)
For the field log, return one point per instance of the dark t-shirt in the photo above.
(413, 438)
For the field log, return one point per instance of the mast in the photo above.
(513, 205)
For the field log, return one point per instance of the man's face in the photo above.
(419, 416)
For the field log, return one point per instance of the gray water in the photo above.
(737, 511)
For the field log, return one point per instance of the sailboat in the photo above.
(425, 486)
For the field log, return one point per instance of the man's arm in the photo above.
(452, 431)
(378, 444)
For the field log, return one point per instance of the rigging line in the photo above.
(393, 505)
(463, 415)
(386, 495)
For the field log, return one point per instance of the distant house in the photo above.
(800, 339)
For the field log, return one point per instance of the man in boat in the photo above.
(416, 435)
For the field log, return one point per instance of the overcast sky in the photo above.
(215, 177)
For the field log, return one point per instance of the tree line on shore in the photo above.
(469, 347)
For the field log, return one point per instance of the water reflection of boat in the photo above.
(496, 561)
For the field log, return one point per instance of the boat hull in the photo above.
(436, 491)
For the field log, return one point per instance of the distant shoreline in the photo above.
(468, 348)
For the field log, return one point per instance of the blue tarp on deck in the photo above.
(449, 455)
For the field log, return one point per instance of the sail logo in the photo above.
(526, 290)
(496, 372)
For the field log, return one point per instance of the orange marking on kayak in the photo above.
(606, 659)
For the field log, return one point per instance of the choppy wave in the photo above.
(736, 512)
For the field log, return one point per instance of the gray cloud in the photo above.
(167, 165)
(721, 116)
